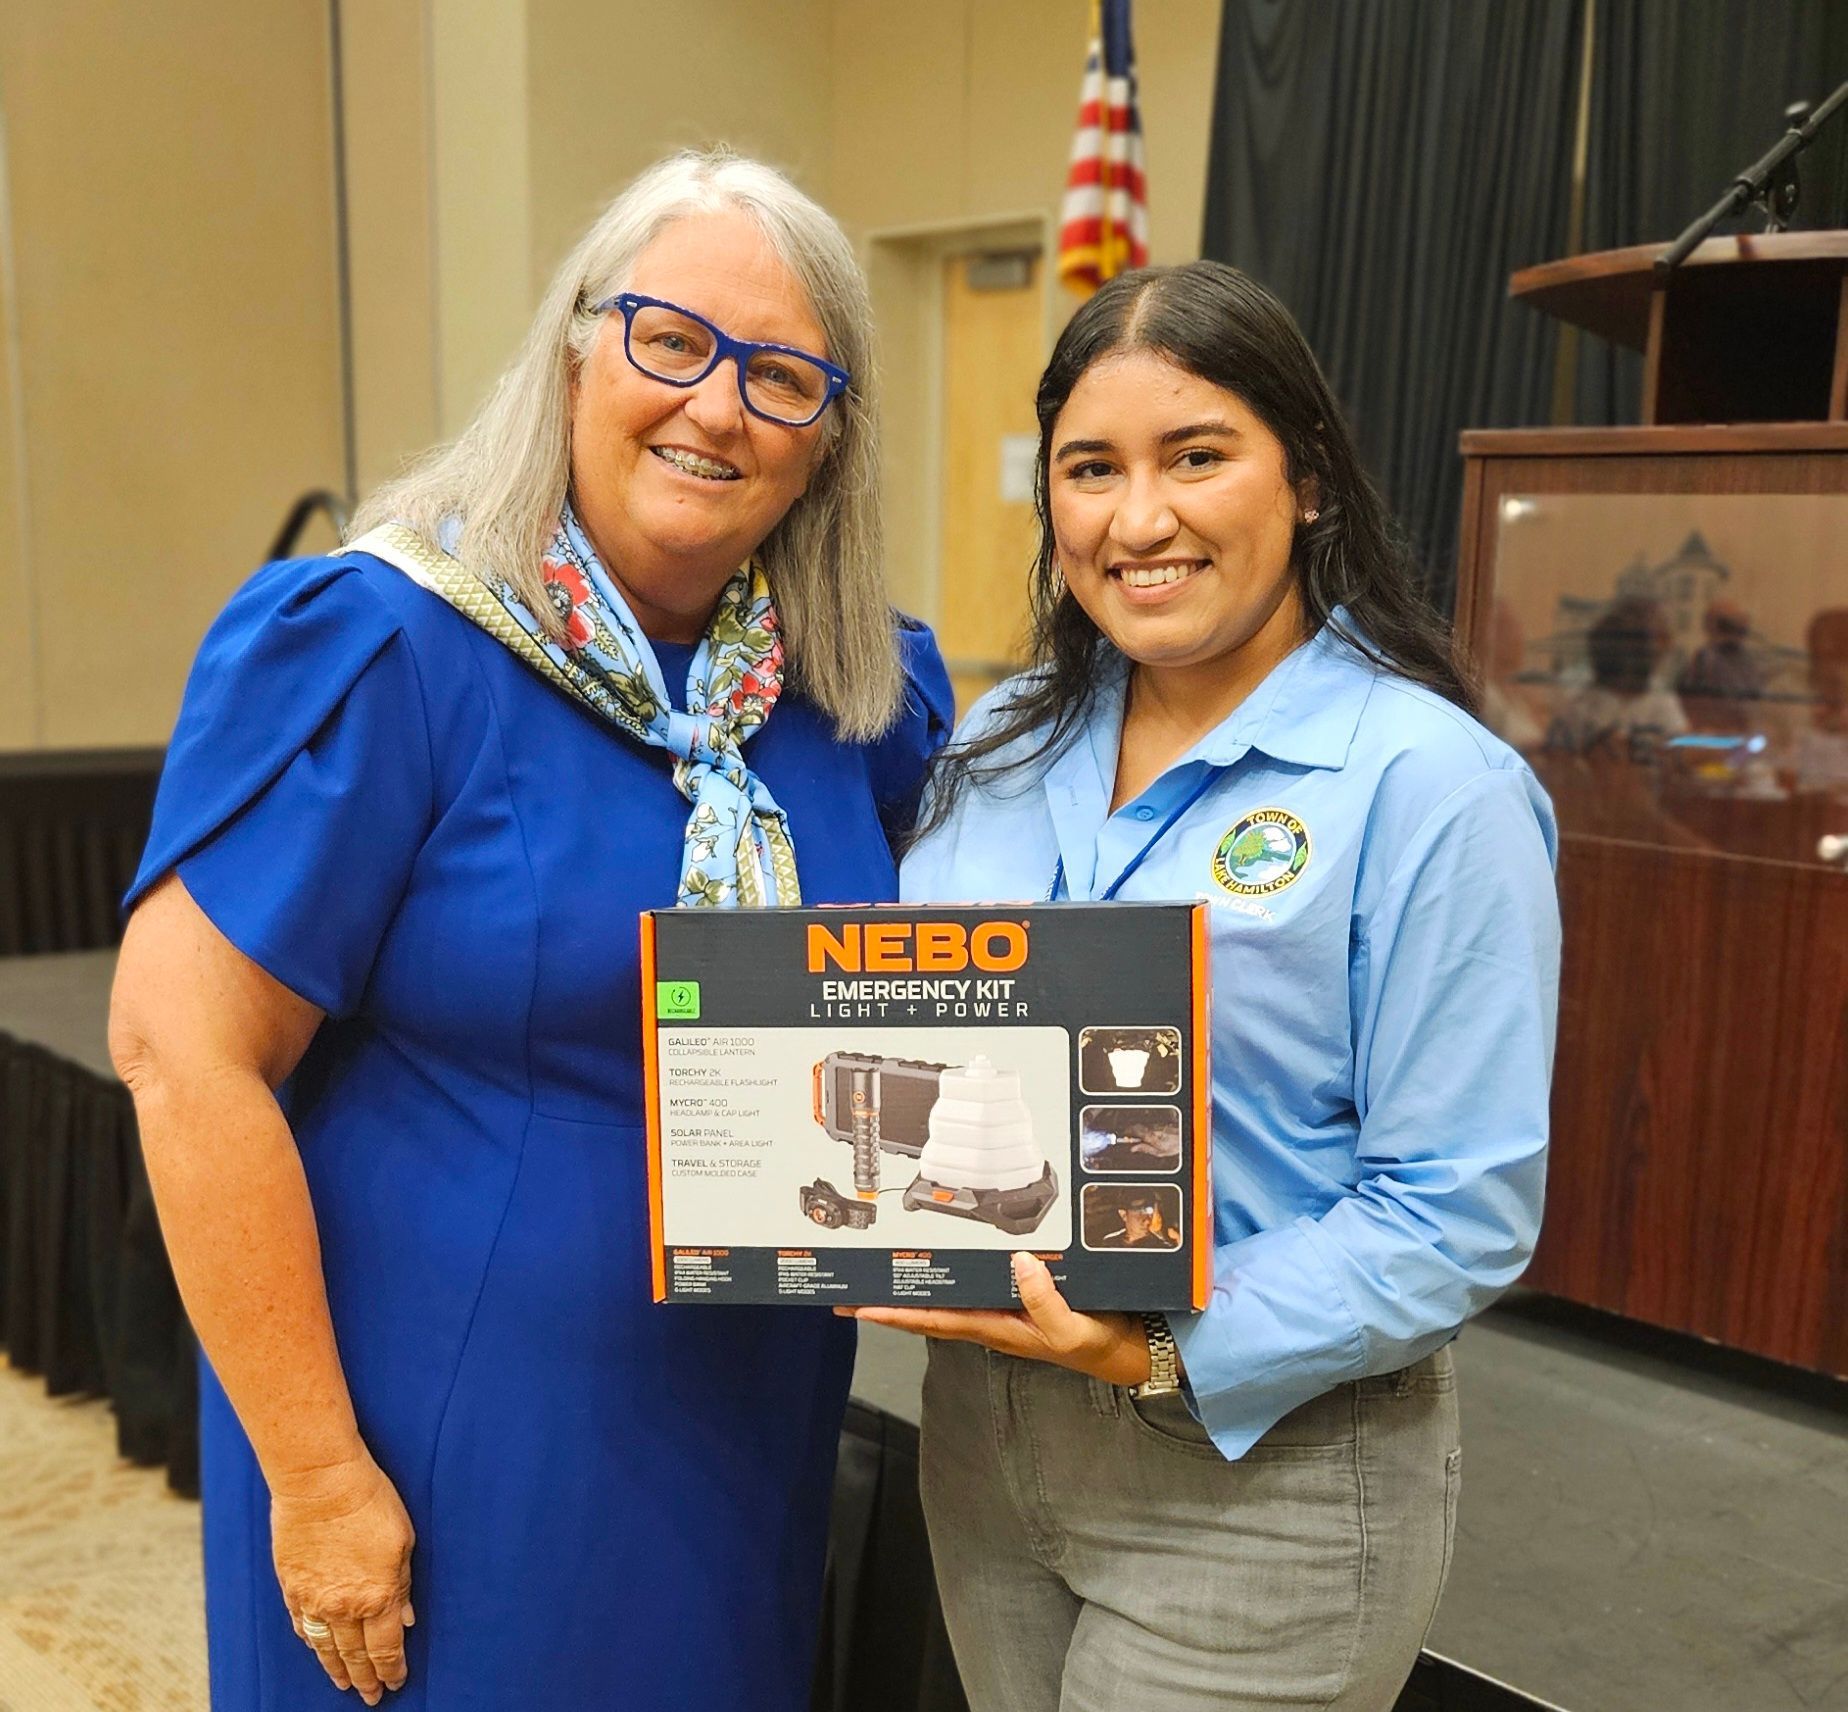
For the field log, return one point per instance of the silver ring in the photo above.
(315, 1629)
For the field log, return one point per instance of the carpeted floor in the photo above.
(100, 1595)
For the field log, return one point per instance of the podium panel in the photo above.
(1660, 617)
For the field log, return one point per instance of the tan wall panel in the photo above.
(1025, 62)
(385, 61)
(615, 84)
(902, 278)
(1177, 49)
(173, 220)
(973, 116)
(18, 658)
(901, 114)
(482, 196)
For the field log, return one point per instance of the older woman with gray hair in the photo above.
(623, 644)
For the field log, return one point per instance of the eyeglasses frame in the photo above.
(723, 346)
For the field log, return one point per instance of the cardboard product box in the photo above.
(879, 1105)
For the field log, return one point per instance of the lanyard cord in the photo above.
(1136, 861)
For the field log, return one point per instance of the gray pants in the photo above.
(1098, 1554)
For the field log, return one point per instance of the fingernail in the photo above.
(1023, 1263)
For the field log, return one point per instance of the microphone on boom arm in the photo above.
(1771, 182)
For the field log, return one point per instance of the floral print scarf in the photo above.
(738, 849)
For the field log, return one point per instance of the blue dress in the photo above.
(616, 1503)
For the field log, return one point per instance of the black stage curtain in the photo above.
(1685, 94)
(1383, 169)
(72, 825)
(86, 1296)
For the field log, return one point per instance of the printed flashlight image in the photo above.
(966, 1125)
(1130, 1138)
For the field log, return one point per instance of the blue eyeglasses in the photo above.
(672, 344)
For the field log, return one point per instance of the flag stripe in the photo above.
(1103, 219)
(1116, 174)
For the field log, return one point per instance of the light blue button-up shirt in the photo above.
(1385, 965)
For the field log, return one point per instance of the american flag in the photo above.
(1104, 224)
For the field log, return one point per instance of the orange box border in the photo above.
(1203, 1108)
(651, 1093)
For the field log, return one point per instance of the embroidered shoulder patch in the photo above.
(1262, 854)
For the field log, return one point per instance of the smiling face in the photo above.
(678, 486)
(1173, 519)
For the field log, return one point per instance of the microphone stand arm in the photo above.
(1771, 181)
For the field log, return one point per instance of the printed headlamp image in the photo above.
(966, 1125)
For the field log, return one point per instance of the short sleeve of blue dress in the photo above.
(297, 786)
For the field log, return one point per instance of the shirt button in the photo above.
(1145, 814)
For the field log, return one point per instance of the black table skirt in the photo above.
(86, 1295)
(72, 824)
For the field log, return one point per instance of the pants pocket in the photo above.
(1215, 1572)
(1169, 1420)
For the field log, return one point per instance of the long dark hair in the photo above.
(1223, 326)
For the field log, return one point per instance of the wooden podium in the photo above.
(1660, 614)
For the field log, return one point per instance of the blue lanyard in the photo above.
(1136, 861)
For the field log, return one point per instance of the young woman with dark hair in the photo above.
(1351, 563)
(1239, 694)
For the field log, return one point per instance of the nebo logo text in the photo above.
(923, 947)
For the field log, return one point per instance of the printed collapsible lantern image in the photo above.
(1130, 1060)
(981, 1161)
(968, 1127)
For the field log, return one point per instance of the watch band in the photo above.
(1164, 1359)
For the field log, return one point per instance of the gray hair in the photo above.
(505, 476)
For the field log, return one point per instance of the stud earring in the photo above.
(1311, 515)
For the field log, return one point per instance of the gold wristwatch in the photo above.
(1164, 1360)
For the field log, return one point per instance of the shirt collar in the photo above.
(1305, 711)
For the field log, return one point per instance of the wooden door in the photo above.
(993, 349)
